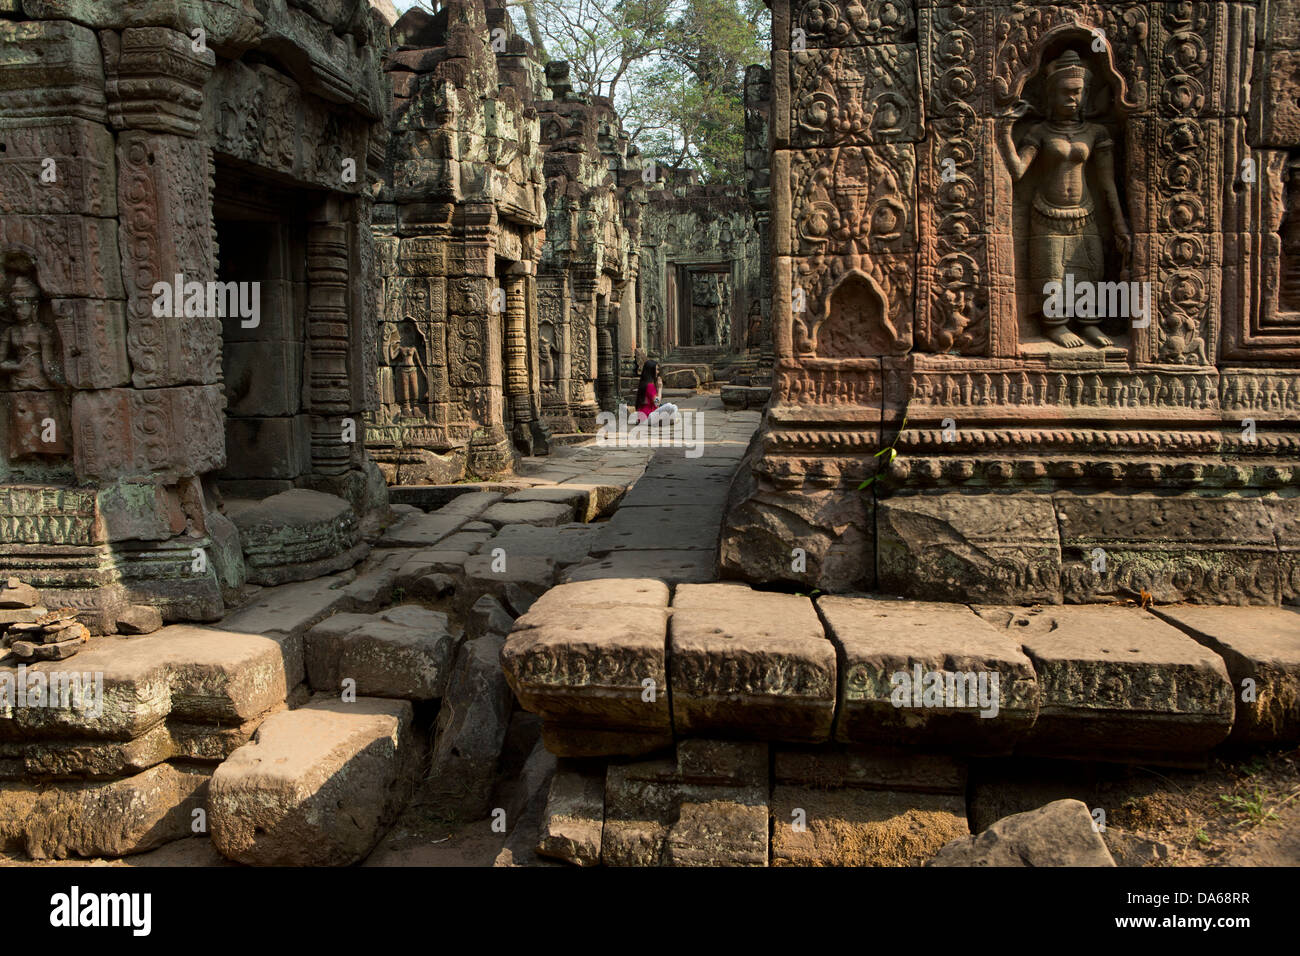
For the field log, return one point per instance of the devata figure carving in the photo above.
(29, 367)
(1064, 238)
(27, 348)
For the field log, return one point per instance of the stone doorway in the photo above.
(262, 237)
(705, 304)
(276, 362)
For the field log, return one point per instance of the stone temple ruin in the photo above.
(922, 206)
(310, 314)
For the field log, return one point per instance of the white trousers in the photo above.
(666, 412)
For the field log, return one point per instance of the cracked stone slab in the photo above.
(928, 674)
(1260, 645)
(747, 663)
(1118, 683)
(953, 547)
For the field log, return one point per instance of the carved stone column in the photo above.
(327, 338)
(517, 391)
(606, 375)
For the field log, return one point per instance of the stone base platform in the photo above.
(599, 661)
(297, 535)
(1018, 537)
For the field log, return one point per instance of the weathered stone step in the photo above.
(1095, 682)
(316, 786)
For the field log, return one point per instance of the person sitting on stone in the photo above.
(648, 396)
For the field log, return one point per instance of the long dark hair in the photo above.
(649, 372)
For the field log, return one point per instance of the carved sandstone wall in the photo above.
(459, 229)
(134, 137)
(935, 167)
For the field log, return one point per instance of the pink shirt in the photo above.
(649, 405)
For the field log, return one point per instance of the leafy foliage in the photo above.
(674, 69)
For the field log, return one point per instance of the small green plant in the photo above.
(890, 452)
(1202, 837)
(1251, 808)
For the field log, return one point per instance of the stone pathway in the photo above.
(667, 525)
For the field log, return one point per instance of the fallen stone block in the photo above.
(1261, 648)
(428, 561)
(139, 619)
(370, 591)
(404, 652)
(17, 595)
(488, 616)
(855, 827)
(470, 731)
(750, 663)
(575, 815)
(1117, 683)
(526, 811)
(1060, 834)
(928, 674)
(21, 615)
(316, 786)
(599, 667)
(113, 818)
(195, 674)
